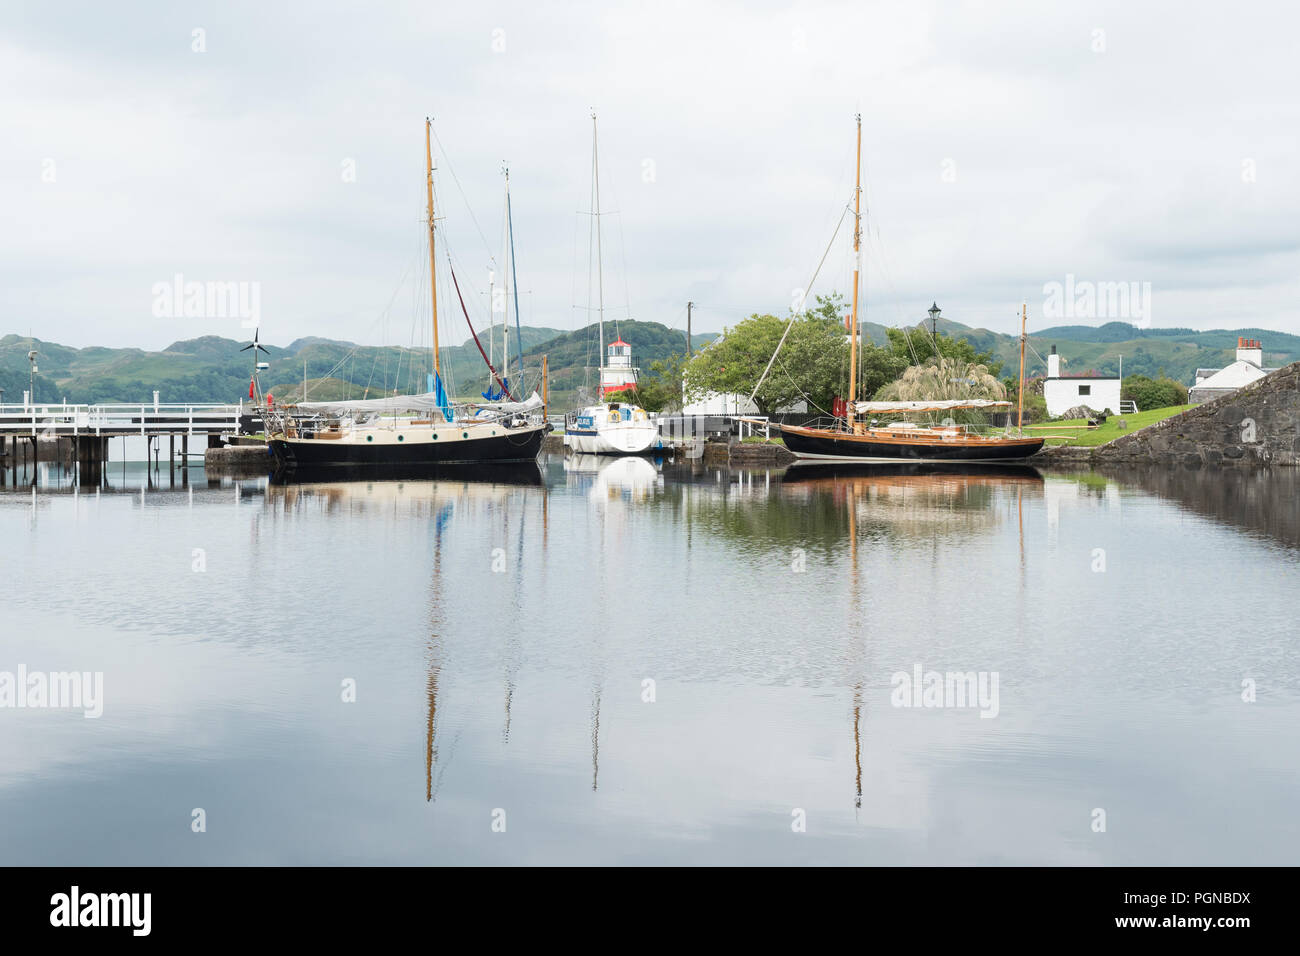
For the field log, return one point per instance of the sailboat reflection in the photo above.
(801, 472)
(629, 478)
(449, 495)
(505, 473)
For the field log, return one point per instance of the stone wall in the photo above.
(1258, 425)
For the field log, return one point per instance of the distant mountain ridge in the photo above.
(1176, 352)
(211, 368)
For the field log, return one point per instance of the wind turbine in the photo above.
(256, 347)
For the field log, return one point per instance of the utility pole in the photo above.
(689, 306)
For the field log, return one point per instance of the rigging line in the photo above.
(456, 180)
(802, 393)
(400, 283)
(627, 290)
(794, 315)
(475, 334)
(591, 246)
(1034, 350)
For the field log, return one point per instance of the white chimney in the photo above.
(1053, 364)
(1250, 350)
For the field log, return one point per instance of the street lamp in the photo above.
(31, 358)
(934, 319)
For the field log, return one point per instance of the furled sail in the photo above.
(532, 403)
(942, 405)
(425, 402)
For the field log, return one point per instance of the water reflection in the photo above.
(502, 630)
(1259, 501)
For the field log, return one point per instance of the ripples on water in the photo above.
(501, 635)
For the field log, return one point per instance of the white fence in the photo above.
(147, 418)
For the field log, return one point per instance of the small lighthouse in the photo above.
(618, 373)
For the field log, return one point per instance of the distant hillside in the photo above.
(212, 369)
(1177, 353)
(573, 357)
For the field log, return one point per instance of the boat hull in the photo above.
(633, 438)
(826, 445)
(509, 445)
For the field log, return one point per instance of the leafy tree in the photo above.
(877, 367)
(1149, 393)
(629, 395)
(661, 390)
(1035, 404)
(812, 361)
(917, 346)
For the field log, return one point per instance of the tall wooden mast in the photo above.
(600, 277)
(1020, 395)
(433, 271)
(857, 265)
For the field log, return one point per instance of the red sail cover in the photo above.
(250, 388)
(838, 407)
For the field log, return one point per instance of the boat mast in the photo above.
(857, 265)
(505, 314)
(600, 279)
(1020, 395)
(433, 272)
(546, 386)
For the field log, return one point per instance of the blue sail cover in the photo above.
(496, 394)
(441, 397)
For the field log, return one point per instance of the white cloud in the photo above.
(1117, 165)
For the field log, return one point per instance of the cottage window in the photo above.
(1085, 389)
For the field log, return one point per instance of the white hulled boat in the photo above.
(618, 427)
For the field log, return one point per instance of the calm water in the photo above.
(502, 637)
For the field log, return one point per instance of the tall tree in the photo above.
(811, 362)
(917, 346)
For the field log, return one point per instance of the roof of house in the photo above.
(1091, 373)
(1236, 375)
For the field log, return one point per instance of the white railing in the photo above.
(1128, 407)
(146, 418)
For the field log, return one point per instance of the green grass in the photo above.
(1110, 430)
(760, 440)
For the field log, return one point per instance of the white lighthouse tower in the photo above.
(618, 373)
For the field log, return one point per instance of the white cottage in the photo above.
(1249, 367)
(1063, 392)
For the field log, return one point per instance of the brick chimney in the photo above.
(1250, 350)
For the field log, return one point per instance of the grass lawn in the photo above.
(1108, 431)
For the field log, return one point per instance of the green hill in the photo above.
(212, 369)
(1177, 353)
(572, 357)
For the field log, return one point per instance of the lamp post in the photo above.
(934, 319)
(31, 358)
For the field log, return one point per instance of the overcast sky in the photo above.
(1005, 146)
